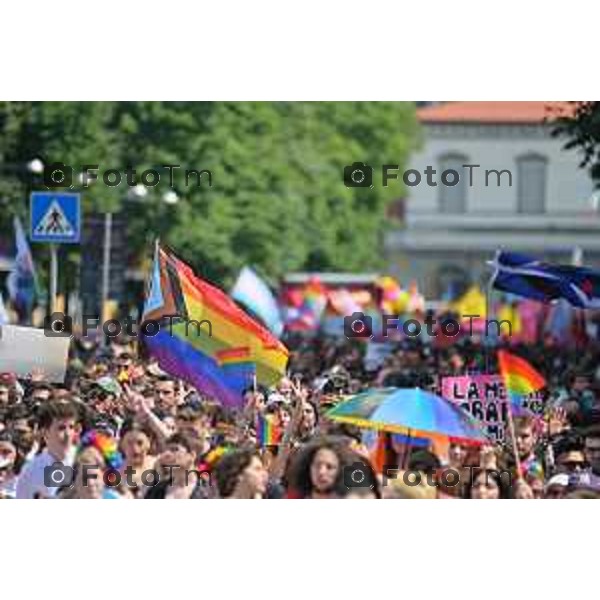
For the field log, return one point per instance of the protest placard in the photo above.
(484, 397)
(26, 350)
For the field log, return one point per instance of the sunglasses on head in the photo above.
(574, 464)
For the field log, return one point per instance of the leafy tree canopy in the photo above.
(582, 130)
(277, 199)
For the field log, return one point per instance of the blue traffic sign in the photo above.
(55, 217)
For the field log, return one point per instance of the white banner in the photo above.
(26, 350)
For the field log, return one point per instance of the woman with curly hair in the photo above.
(317, 470)
(240, 474)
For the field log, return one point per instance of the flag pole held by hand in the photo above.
(513, 437)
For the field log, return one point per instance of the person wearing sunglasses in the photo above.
(571, 461)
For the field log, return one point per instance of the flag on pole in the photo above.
(472, 302)
(268, 433)
(471, 309)
(21, 282)
(526, 276)
(208, 341)
(251, 291)
(520, 378)
(559, 321)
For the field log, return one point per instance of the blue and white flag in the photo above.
(251, 291)
(559, 322)
(526, 276)
(21, 282)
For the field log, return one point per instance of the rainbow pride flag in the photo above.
(267, 432)
(205, 338)
(307, 315)
(520, 378)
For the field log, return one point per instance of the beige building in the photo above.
(526, 194)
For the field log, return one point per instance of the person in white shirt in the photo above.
(8, 455)
(44, 474)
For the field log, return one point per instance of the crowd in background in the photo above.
(118, 417)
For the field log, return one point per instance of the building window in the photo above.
(531, 184)
(452, 198)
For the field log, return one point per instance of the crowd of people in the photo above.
(121, 428)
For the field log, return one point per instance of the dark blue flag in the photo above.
(529, 277)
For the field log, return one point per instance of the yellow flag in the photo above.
(471, 303)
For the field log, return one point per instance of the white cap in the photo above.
(275, 397)
(561, 479)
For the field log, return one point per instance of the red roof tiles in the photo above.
(494, 112)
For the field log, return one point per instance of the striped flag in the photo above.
(21, 282)
(251, 291)
(213, 344)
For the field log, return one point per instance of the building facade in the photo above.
(522, 192)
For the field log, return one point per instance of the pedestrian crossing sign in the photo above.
(55, 217)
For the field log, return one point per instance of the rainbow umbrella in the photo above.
(412, 412)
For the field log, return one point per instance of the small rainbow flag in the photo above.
(268, 433)
(520, 378)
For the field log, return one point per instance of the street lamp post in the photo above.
(106, 267)
(136, 194)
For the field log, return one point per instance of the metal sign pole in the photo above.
(55, 218)
(53, 277)
(106, 271)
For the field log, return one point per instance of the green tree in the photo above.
(582, 130)
(277, 200)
